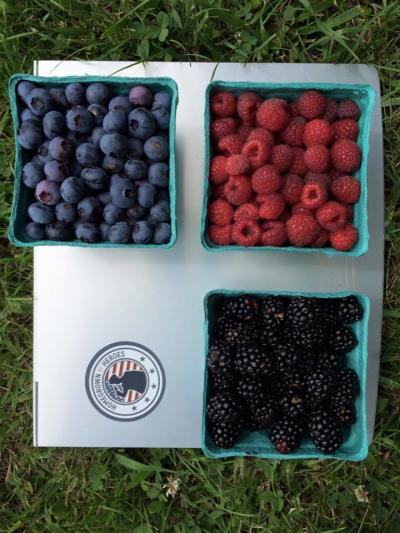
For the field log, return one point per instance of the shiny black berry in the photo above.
(350, 310)
(286, 356)
(325, 431)
(341, 340)
(262, 415)
(219, 356)
(252, 360)
(241, 307)
(224, 407)
(285, 435)
(319, 385)
(225, 434)
(303, 312)
(344, 412)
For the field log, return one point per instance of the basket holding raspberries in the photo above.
(278, 365)
(281, 172)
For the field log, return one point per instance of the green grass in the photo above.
(105, 491)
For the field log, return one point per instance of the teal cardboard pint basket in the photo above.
(363, 95)
(257, 443)
(22, 196)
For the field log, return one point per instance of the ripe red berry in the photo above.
(257, 152)
(334, 173)
(318, 177)
(348, 109)
(349, 211)
(230, 144)
(292, 189)
(221, 235)
(237, 164)
(263, 135)
(274, 233)
(331, 109)
(223, 104)
(298, 165)
(246, 212)
(302, 229)
(346, 189)
(311, 104)
(299, 208)
(294, 108)
(218, 174)
(293, 133)
(217, 191)
(221, 127)
(282, 156)
(316, 158)
(246, 233)
(346, 155)
(314, 195)
(244, 132)
(237, 190)
(220, 212)
(321, 239)
(272, 207)
(317, 131)
(266, 180)
(345, 128)
(272, 115)
(344, 239)
(247, 106)
(332, 216)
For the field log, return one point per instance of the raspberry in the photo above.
(247, 106)
(244, 132)
(272, 207)
(321, 239)
(246, 212)
(318, 177)
(346, 155)
(230, 144)
(348, 109)
(334, 174)
(260, 198)
(220, 234)
(237, 164)
(344, 239)
(218, 174)
(217, 191)
(237, 190)
(292, 188)
(280, 101)
(317, 131)
(246, 233)
(282, 156)
(221, 127)
(311, 104)
(272, 115)
(317, 158)
(257, 153)
(298, 165)
(349, 211)
(302, 229)
(220, 212)
(314, 195)
(223, 104)
(274, 233)
(331, 109)
(332, 216)
(298, 209)
(345, 128)
(263, 135)
(293, 133)
(294, 109)
(266, 180)
(346, 189)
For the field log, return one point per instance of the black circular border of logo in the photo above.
(94, 360)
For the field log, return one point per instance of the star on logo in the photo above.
(154, 386)
(147, 400)
(134, 408)
(152, 371)
(142, 358)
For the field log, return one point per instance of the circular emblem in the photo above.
(125, 381)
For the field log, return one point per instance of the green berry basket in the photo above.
(364, 95)
(22, 197)
(257, 443)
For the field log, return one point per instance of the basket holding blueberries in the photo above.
(98, 163)
(278, 364)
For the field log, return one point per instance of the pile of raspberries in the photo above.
(281, 172)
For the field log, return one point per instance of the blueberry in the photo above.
(59, 231)
(97, 93)
(120, 103)
(136, 212)
(87, 232)
(123, 193)
(158, 174)
(24, 88)
(54, 124)
(95, 178)
(104, 229)
(136, 169)
(112, 214)
(61, 149)
(156, 148)
(146, 195)
(66, 212)
(114, 144)
(30, 135)
(79, 120)
(98, 113)
(140, 96)
(55, 171)
(35, 231)
(32, 174)
(96, 135)
(113, 164)
(163, 99)
(88, 154)
(162, 233)
(76, 138)
(43, 152)
(58, 95)
(115, 121)
(104, 197)
(48, 192)
(75, 93)
(75, 168)
(160, 212)
(41, 213)
(89, 209)
(162, 117)
(36, 159)
(26, 114)
(119, 233)
(141, 123)
(142, 233)
(40, 102)
(72, 189)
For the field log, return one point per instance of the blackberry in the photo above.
(330, 313)
(263, 414)
(329, 360)
(251, 360)
(225, 434)
(286, 356)
(308, 338)
(272, 310)
(350, 310)
(342, 340)
(347, 382)
(241, 307)
(303, 312)
(294, 380)
(219, 356)
(344, 411)
(285, 435)
(223, 407)
(221, 381)
(269, 335)
(325, 431)
(249, 389)
(293, 405)
(235, 332)
(319, 385)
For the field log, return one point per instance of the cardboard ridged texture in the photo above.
(257, 443)
(22, 196)
(364, 95)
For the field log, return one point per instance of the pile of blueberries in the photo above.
(98, 163)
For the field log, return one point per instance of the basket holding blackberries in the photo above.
(278, 365)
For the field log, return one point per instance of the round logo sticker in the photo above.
(125, 381)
